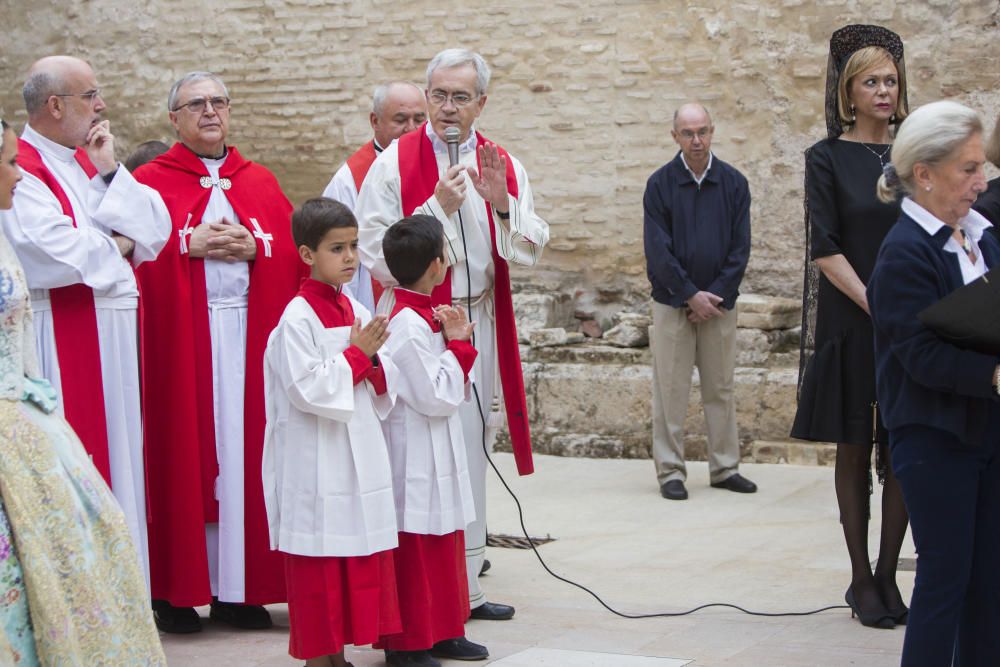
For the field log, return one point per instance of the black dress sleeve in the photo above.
(821, 203)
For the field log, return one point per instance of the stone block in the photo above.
(542, 311)
(632, 330)
(756, 311)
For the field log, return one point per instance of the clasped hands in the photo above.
(455, 325)
(490, 182)
(222, 240)
(703, 306)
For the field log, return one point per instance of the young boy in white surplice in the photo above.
(327, 481)
(432, 349)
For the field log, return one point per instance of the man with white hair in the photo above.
(80, 222)
(487, 225)
(397, 108)
(216, 292)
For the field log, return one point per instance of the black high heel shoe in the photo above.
(900, 615)
(880, 618)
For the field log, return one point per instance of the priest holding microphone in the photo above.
(486, 226)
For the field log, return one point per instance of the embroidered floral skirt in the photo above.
(79, 571)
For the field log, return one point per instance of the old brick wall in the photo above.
(583, 92)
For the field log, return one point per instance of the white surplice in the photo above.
(227, 286)
(327, 481)
(341, 187)
(54, 253)
(519, 240)
(430, 471)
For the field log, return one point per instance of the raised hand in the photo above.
(455, 324)
(100, 147)
(491, 181)
(371, 337)
(450, 190)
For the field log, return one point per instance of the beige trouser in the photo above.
(677, 346)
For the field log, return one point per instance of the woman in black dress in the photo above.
(845, 225)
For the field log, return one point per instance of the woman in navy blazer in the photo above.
(940, 402)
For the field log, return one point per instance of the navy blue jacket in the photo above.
(696, 237)
(921, 379)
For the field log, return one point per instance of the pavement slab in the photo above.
(780, 549)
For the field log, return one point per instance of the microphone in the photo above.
(451, 135)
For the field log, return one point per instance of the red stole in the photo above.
(359, 164)
(177, 389)
(418, 176)
(75, 323)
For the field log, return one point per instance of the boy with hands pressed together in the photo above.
(432, 349)
(327, 478)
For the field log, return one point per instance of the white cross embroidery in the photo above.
(183, 233)
(265, 238)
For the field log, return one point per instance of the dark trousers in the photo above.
(953, 496)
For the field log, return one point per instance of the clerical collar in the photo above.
(441, 146)
(378, 148)
(419, 303)
(221, 158)
(708, 166)
(46, 145)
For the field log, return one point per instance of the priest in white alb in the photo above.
(486, 207)
(398, 107)
(79, 224)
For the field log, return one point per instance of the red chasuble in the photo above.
(74, 320)
(177, 394)
(418, 176)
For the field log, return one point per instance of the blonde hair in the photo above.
(930, 135)
(863, 60)
(993, 147)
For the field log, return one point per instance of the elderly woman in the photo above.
(845, 225)
(939, 402)
(71, 591)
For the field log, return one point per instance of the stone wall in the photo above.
(583, 92)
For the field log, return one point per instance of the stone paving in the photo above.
(778, 550)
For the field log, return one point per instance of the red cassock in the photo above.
(433, 590)
(179, 420)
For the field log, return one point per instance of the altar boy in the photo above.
(432, 350)
(327, 480)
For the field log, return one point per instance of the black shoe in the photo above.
(492, 611)
(872, 618)
(674, 490)
(459, 648)
(244, 616)
(485, 568)
(410, 659)
(175, 620)
(736, 482)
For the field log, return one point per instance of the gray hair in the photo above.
(38, 88)
(382, 91)
(456, 58)
(929, 135)
(192, 77)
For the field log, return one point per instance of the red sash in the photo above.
(74, 321)
(359, 164)
(418, 176)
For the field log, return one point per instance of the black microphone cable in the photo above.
(520, 509)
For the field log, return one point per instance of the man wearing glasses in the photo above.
(398, 107)
(486, 207)
(696, 235)
(79, 224)
(214, 295)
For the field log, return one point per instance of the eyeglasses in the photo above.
(439, 98)
(199, 104)
(90, 95)
(688, 135)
